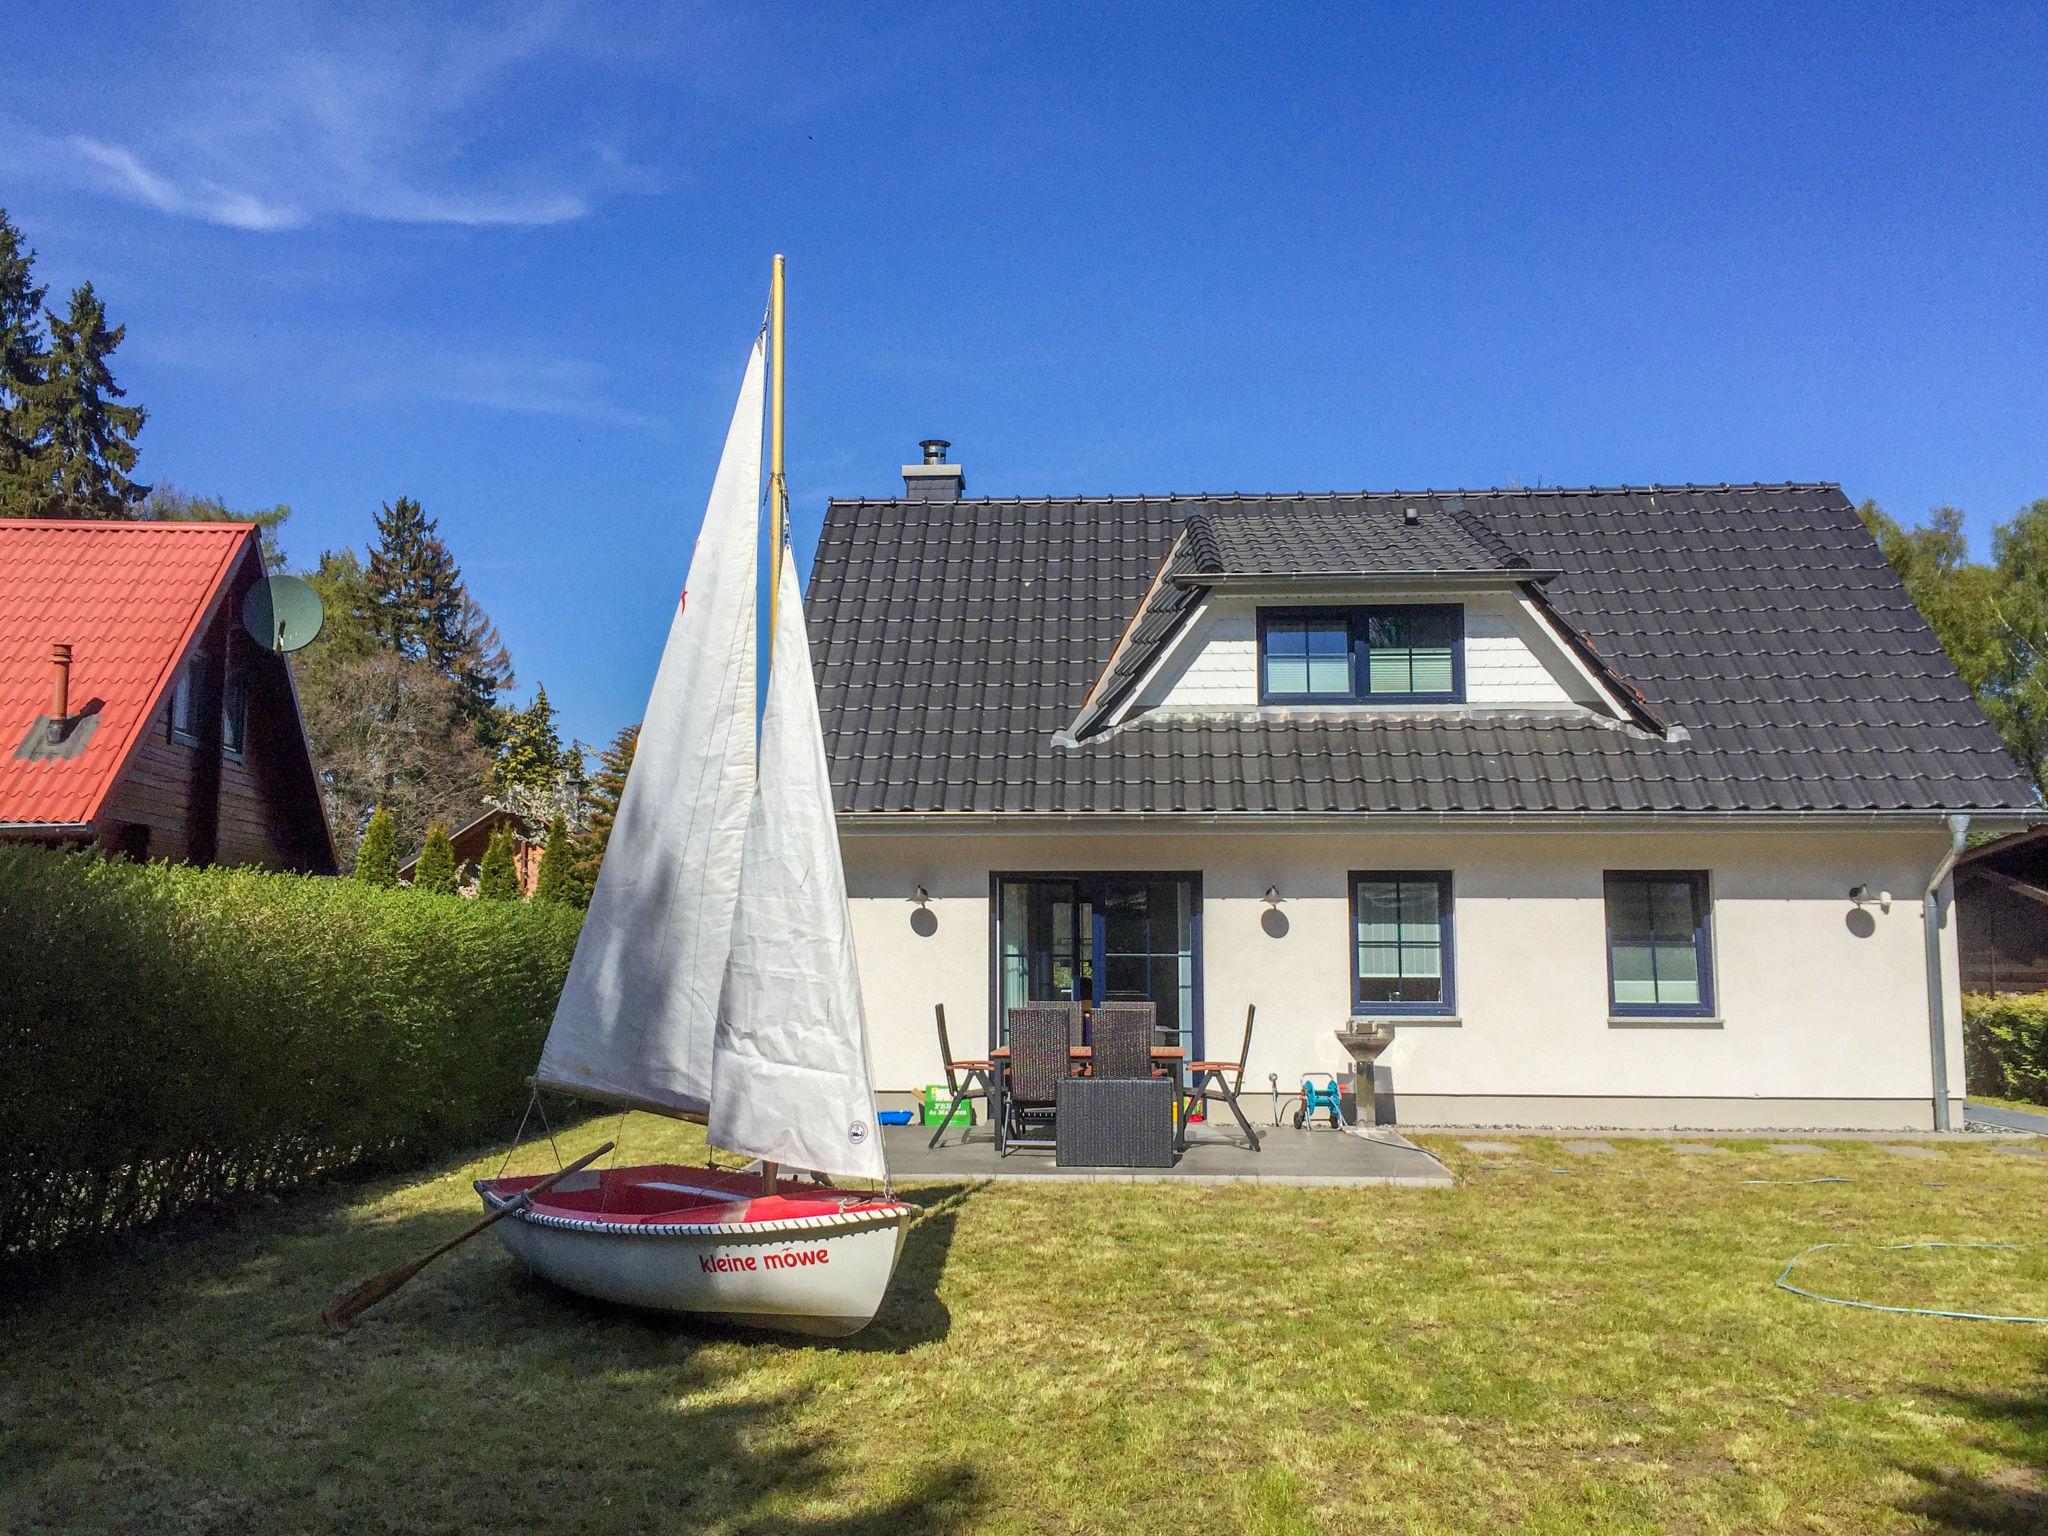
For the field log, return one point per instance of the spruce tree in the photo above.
(497, 878)
(555, 881)
(601, 807)
(421, 608)
(531, 764)
(413, 579)
(435, 871)
(24, 352)
(82, 470)
(377, 854)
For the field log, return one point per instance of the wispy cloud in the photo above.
(284, 121)
(203, 199)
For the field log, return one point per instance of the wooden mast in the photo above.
(778, 511)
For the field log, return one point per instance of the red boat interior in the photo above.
(663, 1193)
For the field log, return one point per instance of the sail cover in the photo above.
(635, 1021)
(789, 1076)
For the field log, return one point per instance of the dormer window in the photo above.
(1396, 653)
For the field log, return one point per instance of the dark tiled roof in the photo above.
(954, 639)
(1346, 535)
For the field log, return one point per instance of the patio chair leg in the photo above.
(1242, 1123)
(945, 1120)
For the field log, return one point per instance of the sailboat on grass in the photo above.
(714, 979)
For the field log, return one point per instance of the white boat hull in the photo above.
(822, 1275)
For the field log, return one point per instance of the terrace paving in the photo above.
(1286, 1156)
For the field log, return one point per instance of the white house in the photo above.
(1628, 807)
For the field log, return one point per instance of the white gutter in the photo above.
(1930, 913)
(49, 828)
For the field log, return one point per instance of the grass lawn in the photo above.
(1559, 1344)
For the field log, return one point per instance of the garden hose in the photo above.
(1785, 1284)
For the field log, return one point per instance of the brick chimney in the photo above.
(934, 479)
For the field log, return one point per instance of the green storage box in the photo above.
(936, 1097)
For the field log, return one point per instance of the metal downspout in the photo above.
(1930, 915)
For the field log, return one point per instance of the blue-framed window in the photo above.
(1099, 938)
(1659, 943)
(1405, 653)
(1401, 959)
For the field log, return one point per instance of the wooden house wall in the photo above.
(205, 804)
(2002, 936)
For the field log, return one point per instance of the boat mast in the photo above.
(778, 488)
(778, 512)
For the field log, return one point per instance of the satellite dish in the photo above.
(282, 613)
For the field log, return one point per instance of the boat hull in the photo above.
(807, 1260)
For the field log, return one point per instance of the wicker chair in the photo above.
(1039, 1036)
(1224, 1079)
(966, 1078)
(1121, 1034)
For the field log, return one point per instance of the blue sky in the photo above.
(508, 259)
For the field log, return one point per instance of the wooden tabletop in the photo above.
(1086, 1052)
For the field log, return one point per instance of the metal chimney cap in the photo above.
(934, 449)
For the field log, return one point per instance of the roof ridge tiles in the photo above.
(1171, 497)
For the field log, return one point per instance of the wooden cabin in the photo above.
(135, 711)
(473, 837)
(2002, 914)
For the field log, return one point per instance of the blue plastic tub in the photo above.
(895, 1116)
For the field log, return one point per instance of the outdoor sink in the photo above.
(1365, 1045)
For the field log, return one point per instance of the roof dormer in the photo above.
(1349, 605)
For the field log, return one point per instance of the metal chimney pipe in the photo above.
(60, 683)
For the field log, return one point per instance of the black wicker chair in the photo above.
(1121, 1037)
(1039, 1045)
(1223, 1080)
(966, 1078)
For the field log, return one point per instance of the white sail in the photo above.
(789, 1076)
(635, 1021)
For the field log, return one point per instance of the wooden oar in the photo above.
(372, 1291)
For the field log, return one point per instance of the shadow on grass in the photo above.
(2012, 1498)
(476, 1398)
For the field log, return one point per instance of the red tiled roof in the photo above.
(128, 599)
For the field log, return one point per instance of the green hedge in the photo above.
(2005, 1044)
(175, 1035)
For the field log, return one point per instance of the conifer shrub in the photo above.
(435, 871)
(497, 877)
(2005, 1044)
(175, 1036)
(553, 881)
(377, 854)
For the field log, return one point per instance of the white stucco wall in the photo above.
(1510, 662)
(1822, 1016)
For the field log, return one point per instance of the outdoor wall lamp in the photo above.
(1272, 895)
(922, 896)
(1861, 893)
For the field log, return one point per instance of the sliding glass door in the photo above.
(1101, 938)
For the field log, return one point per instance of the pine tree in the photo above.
(414, 582)
(601, 807)
(82, 469)
(421, 608)
(435, 871)
(497, 878)
(531, 765)
(377, 854)
(24, 352)
(555, 881)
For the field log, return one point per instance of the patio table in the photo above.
(1173, 1057)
